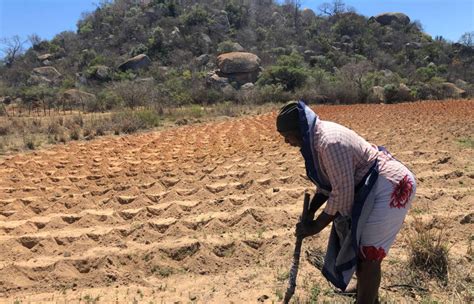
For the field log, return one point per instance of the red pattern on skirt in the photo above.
(370, 253)
(401, 193)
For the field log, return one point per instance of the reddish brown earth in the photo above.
(205, 213)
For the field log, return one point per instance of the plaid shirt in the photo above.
(344, 158)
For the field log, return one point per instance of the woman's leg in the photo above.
(392, 201)
(368, 281)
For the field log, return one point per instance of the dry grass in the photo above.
(29, 133)
(428, 250)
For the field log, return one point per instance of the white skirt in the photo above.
(391, 203)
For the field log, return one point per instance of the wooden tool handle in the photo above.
(296, 255)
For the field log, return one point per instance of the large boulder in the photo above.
(377, 94)
(215, 81)
(247, 86)
(202, 60)
(450, 90)
(238, 62)
(45, 57)
(39, 80)
(138, 62)
(205, 43)
(77, 97)
(45, 76)
(404, 93)
(413, 45)
(392, 18)
(239, 67)
(49, 72)
(462, 84)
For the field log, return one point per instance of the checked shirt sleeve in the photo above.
(338, 161)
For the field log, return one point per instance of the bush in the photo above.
(196, 16)
(289, 72)
(157, 38)
(133, 93)
(179, 87)
(225, 47)
(29, 142)
(74, 135)
(271, 93)
(390, 92)
(132, 121)
(54, 127)
(106, 100)
(235, 15)
(139, 49)
(85, 28)
(425, 74)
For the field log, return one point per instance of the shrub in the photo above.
(204, 95)
(78, 120)
(235, 14)
(157, 38)
(197, 15)
(74, 135)
(88, 133)
(85, 28)
(149, 118)
(133, 93)
(29, 142)
(426, 73)
(54, 127)
(390, 92)
(106, 100)
(139, 49)
(97, 60)
(178, 88)
(226, 46)
(132, 121)
(271, 93)
(289, 72)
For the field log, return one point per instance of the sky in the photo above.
(447, 18)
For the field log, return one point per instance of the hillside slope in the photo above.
(337, 56)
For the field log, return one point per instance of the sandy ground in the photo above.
(205, 213)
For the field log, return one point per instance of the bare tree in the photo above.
(467, 39)
(11, 49)
(295, 5)
(336, 7)
(34, 39)
(134, 93)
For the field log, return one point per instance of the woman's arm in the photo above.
(314, 227)
(318, 200)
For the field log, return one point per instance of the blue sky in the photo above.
(448, 18)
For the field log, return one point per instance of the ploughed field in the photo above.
(206, 213)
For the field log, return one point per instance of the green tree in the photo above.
(289, 72)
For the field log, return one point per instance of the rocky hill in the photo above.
(172, 52)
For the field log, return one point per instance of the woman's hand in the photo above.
(309, 228)
(304, 229)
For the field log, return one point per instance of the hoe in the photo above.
(296, 255)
